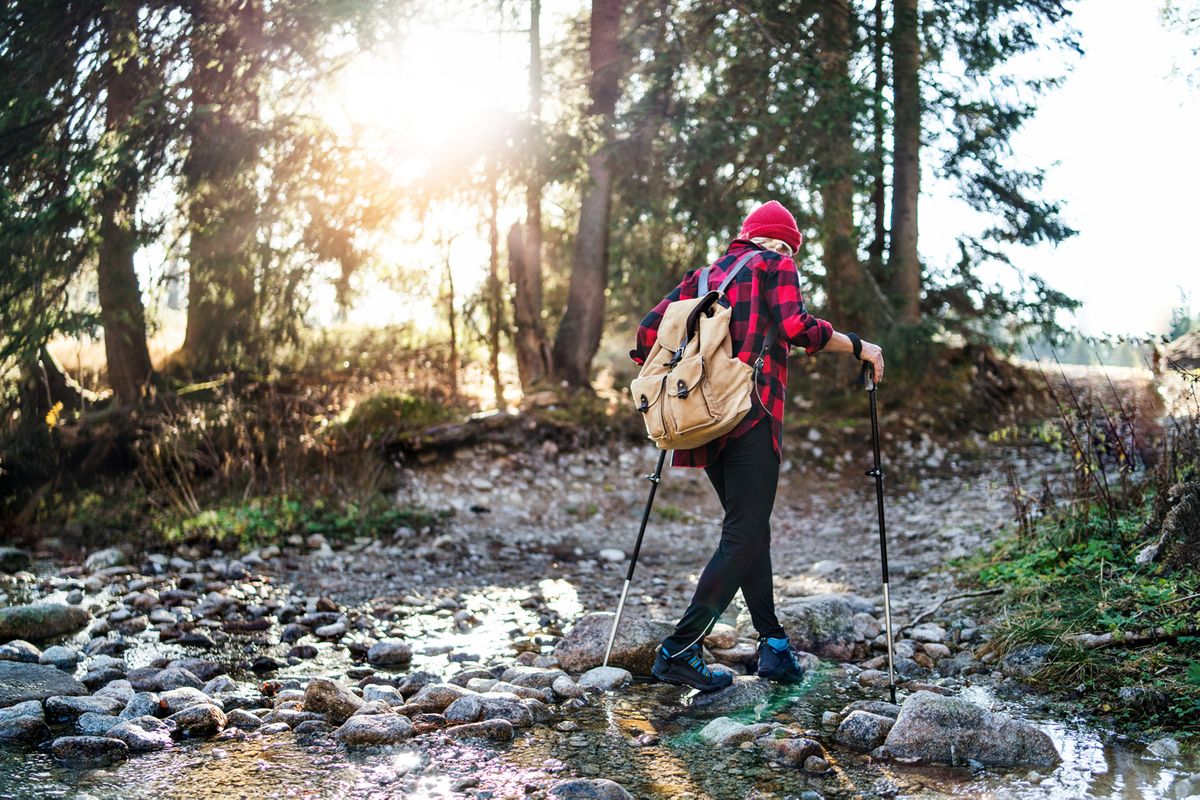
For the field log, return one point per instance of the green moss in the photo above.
(388, 413)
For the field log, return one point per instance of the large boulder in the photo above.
(21, 682)
(746, 691)
(933, 729)
(327, 697)
(13, 559)
(367, 730)
(42, 621)
(821, 624)
(583, 647)
(90, 750)
(23, 730)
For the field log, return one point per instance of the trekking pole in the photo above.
(654, 479)
(868, 377)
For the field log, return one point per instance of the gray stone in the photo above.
(93, 750)
(177, 700)
(142, 734)
(436, 696)
(880, 707)
(65, 658)
(175, 678)
(464, 709)
(863, 731)
(142, 704)
(29, 708)
(382, 692)
(68, 708)
(337, 703)
(927, 632)
(583, 646)
(20, 650)
(532, 677)
(389, 653)
(374, 729)
(92, 724)
(23, 730)
(589, 789)
(14, 559)
(746, 691)
(199, 721)
(1025, 661)
(243, 719)
(822, 624)
(500, 730)
(721, 637)
(724, 731)
(566, 688)
(37, 623)
(103, 559)
(933, 729)
(607, 678)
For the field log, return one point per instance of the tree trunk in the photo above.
(845, 278)
(121, 309)
(219, 183)
(579, 331)
(525, 242)
(878, 123)
(903, 261)
(494, 305)
(452, 318)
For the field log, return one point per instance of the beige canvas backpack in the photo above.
(692, 388)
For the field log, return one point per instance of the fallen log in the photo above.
(1095, 641)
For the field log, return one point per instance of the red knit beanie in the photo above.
(774, 221)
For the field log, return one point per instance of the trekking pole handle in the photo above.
(866, 376)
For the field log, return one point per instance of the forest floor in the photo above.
(540, 536)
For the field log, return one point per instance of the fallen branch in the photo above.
(1095, 641)
(929, 611)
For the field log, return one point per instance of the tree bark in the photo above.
(219, 181)
(525, 242)
(579, 331)
(846, 282)
(452, 318)
(878, 122)
(903, 261)
(121, 309)
(494, 305)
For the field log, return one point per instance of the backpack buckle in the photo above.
(681, 389)
(644, 405)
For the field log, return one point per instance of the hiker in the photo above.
(743, 465)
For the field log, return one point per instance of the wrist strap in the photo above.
(857, 344)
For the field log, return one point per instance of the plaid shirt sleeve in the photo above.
(796, 325)
(647, 332)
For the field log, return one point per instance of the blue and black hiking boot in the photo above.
(779, 661)
(687, 669)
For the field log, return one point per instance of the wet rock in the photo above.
(424, 723)
(583, 647)
(464, 709)
(533, 677)
(932, 729)
(815, 764)
(142, 734)
(866, 626)
(21, 651)
(42, 621)
(416, 681)
(103, 559)
(436, 696)
(374, 729)
(389, 653)
(724, 731)
(500, 730)
(863, 731)
(199, 721)
(65, 658)
(91, 750)
(880, 707)
(102, 676)
(792, 752)
(1025, 661)
(27, 729)
(742, 654)
(746, 691)
(219, 685)
(481, 684)
(28, 708)
(1165, 749)
(608, 679)
(566, 688)
(293, 632)
(68, 708)
(14, 559)
(177, 700)
(313, 727)
(337, 703)
(174, 678)
(334, 631)
(142, 704)
(374, 707)
(822, 624)
(589, 789)
(92, 724)
(241, 718)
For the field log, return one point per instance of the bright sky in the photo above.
(1125, 132)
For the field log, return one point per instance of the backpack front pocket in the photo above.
(647, 394)
(686, 406)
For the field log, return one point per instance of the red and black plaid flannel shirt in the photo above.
(766, 292)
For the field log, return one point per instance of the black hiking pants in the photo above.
(745, 476)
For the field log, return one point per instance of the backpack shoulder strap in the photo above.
(703, 290)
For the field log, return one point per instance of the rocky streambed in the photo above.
(463, 662)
